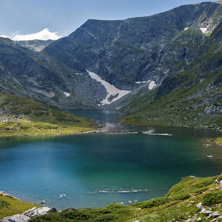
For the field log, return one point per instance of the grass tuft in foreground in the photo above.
(10, 206)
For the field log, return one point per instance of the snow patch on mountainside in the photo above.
(204, 30)
(113, 94)
(141, 82)
(67, 94)
(152, 85)
(91, 35)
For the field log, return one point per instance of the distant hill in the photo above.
(35, 45)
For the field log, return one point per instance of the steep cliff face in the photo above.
(101, 62)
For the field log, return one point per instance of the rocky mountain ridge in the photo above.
(101, 62)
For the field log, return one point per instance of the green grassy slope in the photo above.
(10, 206)
(23, 116)
(179, 204)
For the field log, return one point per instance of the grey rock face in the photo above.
(34, 212)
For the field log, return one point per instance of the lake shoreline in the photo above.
(41, 135)
(217, 140)
(203, 203)
(104, 130)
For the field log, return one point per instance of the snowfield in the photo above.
(113, 94)
(204, 30)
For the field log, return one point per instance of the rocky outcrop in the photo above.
(34, 212)
(2, 193)
(15, 218)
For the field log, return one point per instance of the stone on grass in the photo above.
(215, 214)
(199, 205)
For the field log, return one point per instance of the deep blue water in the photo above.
(95, 170)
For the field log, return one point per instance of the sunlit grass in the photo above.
(22, 116)
(10, 206)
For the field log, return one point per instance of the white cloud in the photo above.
(45, 34)
(5, 36)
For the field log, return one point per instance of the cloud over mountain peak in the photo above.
(45, 34)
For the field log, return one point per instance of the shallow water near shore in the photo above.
(126, 164)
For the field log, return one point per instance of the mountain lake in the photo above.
(123, 164)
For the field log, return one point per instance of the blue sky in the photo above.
(64, 16)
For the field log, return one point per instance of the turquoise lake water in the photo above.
(127, 165)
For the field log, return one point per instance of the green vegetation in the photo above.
(178, 205)
(175, 109)
(23, 116)
(212, 198)
(219, 140)
(10, 206)
(112, 212)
